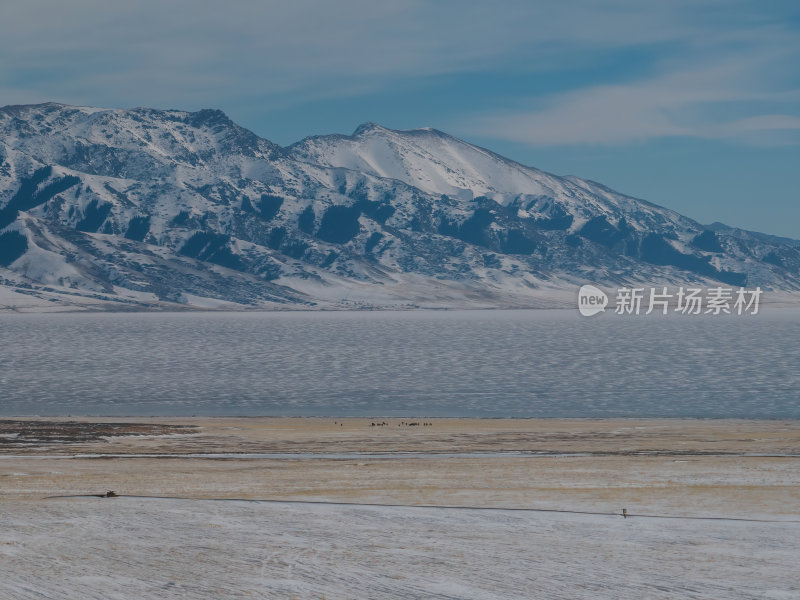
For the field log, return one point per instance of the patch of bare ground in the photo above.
(684, 467)
(36, 434)
(316, 435)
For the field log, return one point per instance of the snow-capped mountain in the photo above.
(152, 208)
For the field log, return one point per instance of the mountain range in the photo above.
(159, 209)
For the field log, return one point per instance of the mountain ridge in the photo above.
(155, 209)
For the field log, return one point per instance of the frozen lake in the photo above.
(453, 363)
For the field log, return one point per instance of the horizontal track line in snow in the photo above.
(440, 507)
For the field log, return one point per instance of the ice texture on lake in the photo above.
(459, 363)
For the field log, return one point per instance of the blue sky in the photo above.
(694, 105)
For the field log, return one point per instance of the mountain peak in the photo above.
(210, 116)
(372, 127)
(368, 127)
(428, 159)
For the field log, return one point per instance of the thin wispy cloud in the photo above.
(735, 81)
(260, 53)
(719, 101)
(258, 50)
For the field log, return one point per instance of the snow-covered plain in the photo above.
(137, 548)
(266, 540)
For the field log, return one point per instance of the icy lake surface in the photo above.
(454, 363)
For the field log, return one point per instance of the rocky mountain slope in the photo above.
(147, 208)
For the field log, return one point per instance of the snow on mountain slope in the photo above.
(428, 160)
(178, 206)
(440, 164)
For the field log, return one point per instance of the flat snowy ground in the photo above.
(145, 548)
(133, 547)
